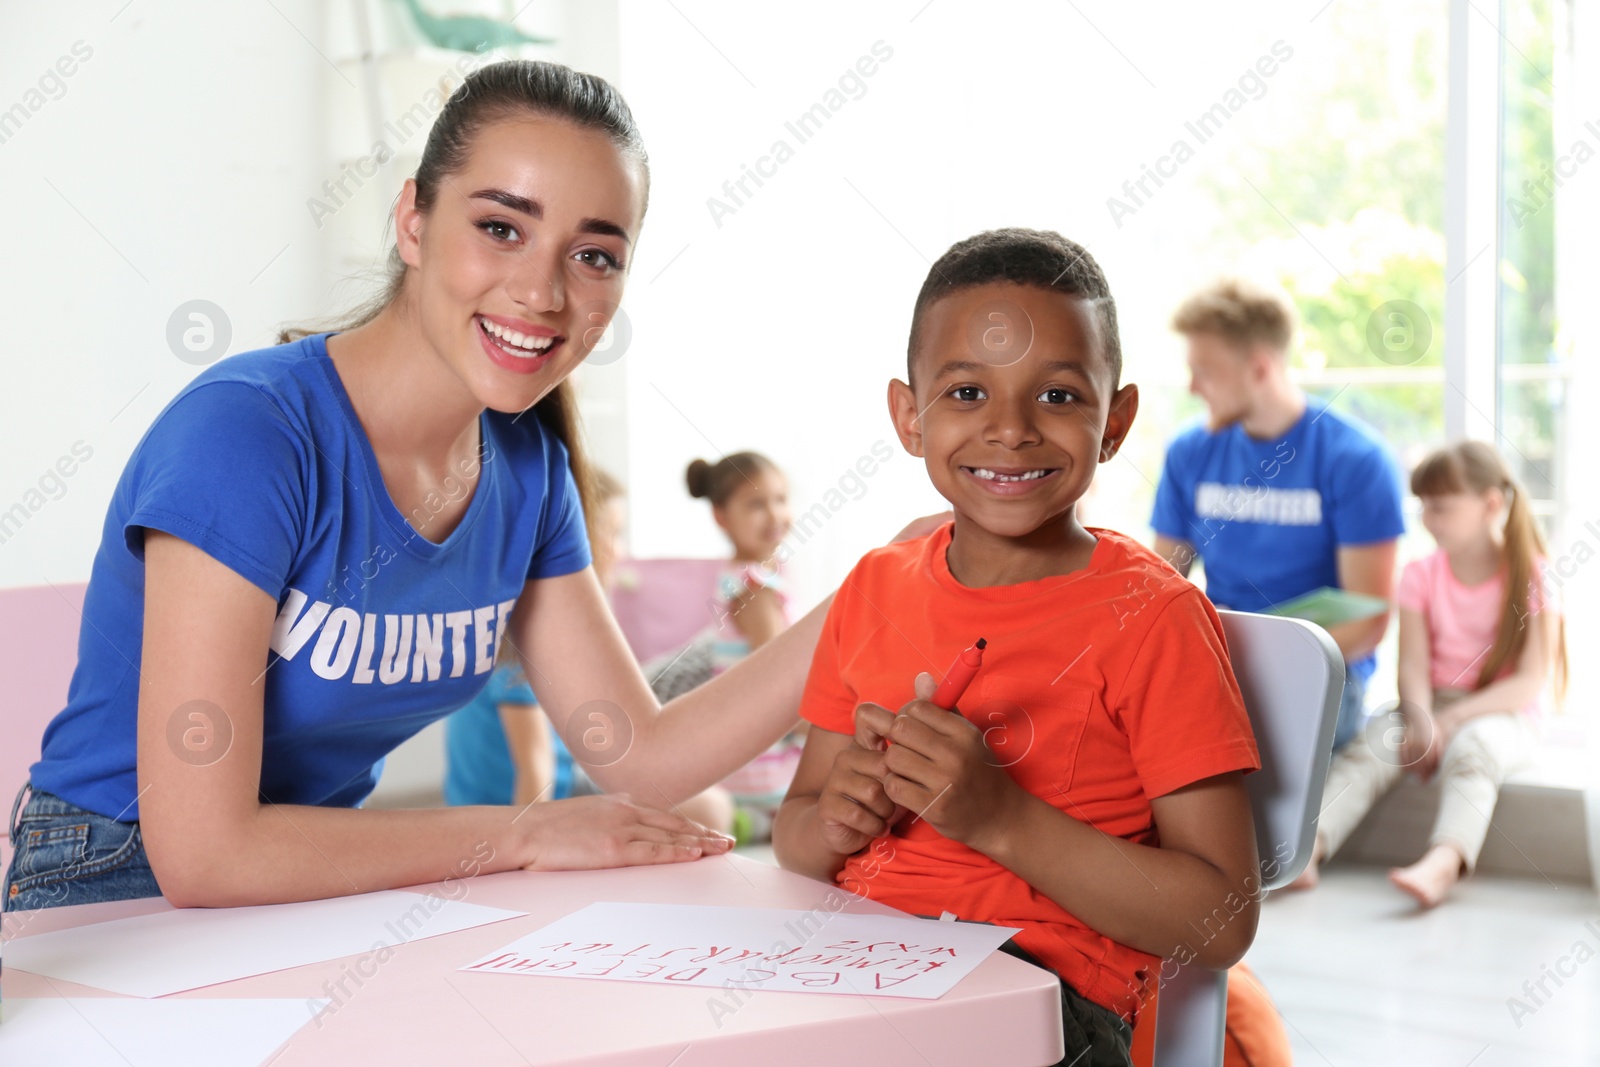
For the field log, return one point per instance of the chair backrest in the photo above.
(38, 650)
(1291, 674)
(661, 603)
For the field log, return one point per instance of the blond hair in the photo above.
(1241, 312)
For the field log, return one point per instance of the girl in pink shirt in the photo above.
(750, 606)
(1480, 637)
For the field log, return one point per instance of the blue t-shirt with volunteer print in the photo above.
(262, 463)
(1268, 517)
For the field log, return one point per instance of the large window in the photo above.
(1359, 154)
(1532, 370)
(1543, 149)
(1336, 197)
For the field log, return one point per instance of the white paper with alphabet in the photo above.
(752, 948)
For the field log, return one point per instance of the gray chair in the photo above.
(1291, 674)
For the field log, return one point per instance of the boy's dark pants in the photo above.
(1095, 1036)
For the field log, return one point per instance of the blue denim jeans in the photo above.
(1352, 710)
(64, 855)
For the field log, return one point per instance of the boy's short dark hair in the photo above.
(1041, 258)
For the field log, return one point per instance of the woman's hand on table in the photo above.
(590, 833)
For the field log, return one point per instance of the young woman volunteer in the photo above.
(318, 548)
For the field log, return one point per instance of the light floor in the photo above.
(1364, 979)
(1361, 976)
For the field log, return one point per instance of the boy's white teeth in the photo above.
(991, 476)
(513, 339)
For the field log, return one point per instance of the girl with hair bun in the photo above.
(749, 607)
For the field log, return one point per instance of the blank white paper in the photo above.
(116, 1032)
(186, 948)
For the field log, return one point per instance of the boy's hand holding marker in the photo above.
(854, 807)
(929, 763)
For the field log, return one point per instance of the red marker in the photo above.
(960, 675)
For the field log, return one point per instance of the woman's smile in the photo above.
(520, 351)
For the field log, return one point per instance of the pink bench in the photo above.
(661, 603)
(38, 649)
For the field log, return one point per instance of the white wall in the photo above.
(169, 166)
(197, 151)
(179, 160)
(777, 327)
(177, 163)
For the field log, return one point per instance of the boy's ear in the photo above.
(1124, 406)
(907, 419)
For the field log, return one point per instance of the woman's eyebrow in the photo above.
(601, 226)
(535, 210)
(531, 208)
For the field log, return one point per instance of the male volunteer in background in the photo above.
(1277, 493)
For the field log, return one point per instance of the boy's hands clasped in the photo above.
(935, 765)
(853, 809)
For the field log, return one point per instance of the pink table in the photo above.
(417, 1008)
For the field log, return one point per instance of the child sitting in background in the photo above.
(1089, 788)
(750, 503)
(501, 749)
(1480, 632)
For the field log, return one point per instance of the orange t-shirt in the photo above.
(1099, 690)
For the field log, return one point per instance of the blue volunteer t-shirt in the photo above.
(262, 463)
(477, 756)
(1268, 517)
